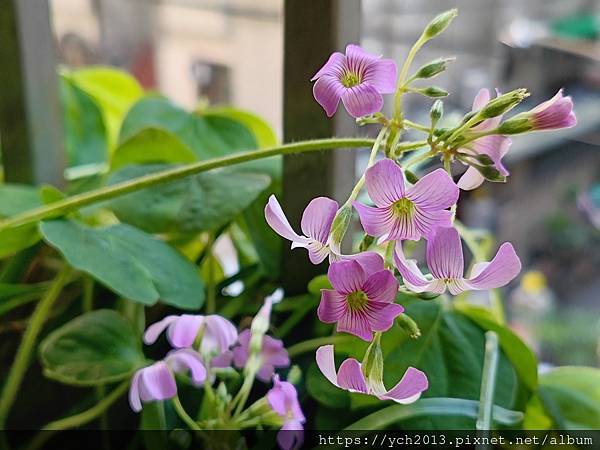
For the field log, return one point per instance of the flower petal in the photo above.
(426, 222)
(332, 306)
(381, 287)
(240, 352)
(375, 221)
(157, 383)
(327, 91)
(317, 218)
(346, 276)
(371, 262)
(223, 360)
(500, 271)
(385, 182)
(412, 276)
(274, 353)
(434, 191)
(382, 74)
(134, 392)
(326, 363)
(470, 180)
(153, 331)
(276, 219)
(291, 435)
(444, 254)
(481, 99)
(334, 66)
(183, 332)
(409, 388)
(381, 315)
(317, 252)
(350, 376)
(219, 335)
(187, 359)
(356, 323)
(360, 100)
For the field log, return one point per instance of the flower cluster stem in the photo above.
(183, 415)
(22, 359)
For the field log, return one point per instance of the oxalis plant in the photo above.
(134, 232)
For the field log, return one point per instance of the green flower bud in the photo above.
(436, 112)
(433, 92)
(294, 375)
(410, 176)
(409, 326)
(339, 226)
(365, 243)
(490, 173)
(372, 365)
(515, 125)
(502, 104)
(439, 23)
(433, 68)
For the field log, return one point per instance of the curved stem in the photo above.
(313, 344)
(403, 72)
(359, 184)
(105, 193)
(184, 415)
(90, 414)
(36, 322)
(488, 382)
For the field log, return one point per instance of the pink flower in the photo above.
(316, 225)
(218, 333)
(357, 78)
(494, 146)
(553, 114)
(446, 264)
(156, 382)
(403, 211)
(351, 378)
(362, 298)
(272, 355)
(283, 399)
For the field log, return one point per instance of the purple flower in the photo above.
(446, 264)
(405, 212)
(218, 333)
(283, 399)
(553, 114)
(351, 378)
(316, 225)
(272, 355)
(362, 298)
(357, 78)
(156, 382)
(494, 146)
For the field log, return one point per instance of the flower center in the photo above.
(350, 79)
(357, 300)
(404, 207)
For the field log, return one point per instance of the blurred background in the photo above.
(235, 52)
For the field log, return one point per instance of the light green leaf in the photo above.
(113, 90)
(151, 145)
(130, 262)
(198, 203)
(97, 348)
(85, 132)
(14, 199)
(263, 134)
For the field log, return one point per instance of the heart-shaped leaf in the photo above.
(132, 263)
(97, 348)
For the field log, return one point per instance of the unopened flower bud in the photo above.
(436, 112)
(490, 173)
(295, 374)
(410, 176)
(409, 326)
(503, 103)
(433, 68)
(339, 227)
(433, 92)
(365, 243)
(439, 23)
(372, 365)
(516, 125)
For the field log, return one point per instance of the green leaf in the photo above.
(14, 199)
(441, 407)
(571, 396)
(97, 348)
(151, 145)
(130, 262)
(208, 137)
(522, 357)
(198, 203)
(317, 283)
(263, 134)
(85, 132)
(113, 90)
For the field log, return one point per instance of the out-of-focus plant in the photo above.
(152, 190)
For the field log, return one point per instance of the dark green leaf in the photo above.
(97, 348)
(128, 261)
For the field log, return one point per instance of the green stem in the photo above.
(105, 193)
(211, 304)
(417, 126)
(36, 322)
(184, 415)
(88, 293)
(90, 414)
(359, 184)
(313, 344)
(418, 158)
(242, 396)
(403, 72)
(488, 382)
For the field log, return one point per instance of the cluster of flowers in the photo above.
(204, 344)
(364, 285)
